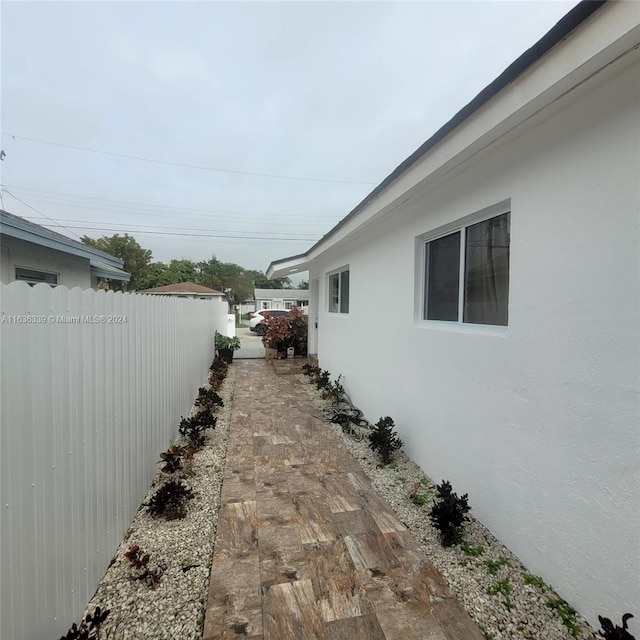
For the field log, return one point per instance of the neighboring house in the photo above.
(280, 298)
(186, 290)
(510, 356)
(34, 254)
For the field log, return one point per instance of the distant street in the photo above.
(251, 344)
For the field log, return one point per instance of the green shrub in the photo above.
(448, 514)
(383, 440)
(170, 500)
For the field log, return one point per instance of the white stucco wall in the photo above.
(538, 422)
(72, 271)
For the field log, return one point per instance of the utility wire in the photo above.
(194, 235)
(310, 236)
(238, 217)
(148, 205)
(26, 204)
(179, 164)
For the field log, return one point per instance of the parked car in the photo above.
(257, 322)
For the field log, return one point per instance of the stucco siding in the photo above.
(72, 271)
(538, 421)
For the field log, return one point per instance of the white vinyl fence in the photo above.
(93, 386)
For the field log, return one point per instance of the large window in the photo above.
(467, 274)
(34, 277)
(339, 291)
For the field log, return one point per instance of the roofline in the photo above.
(149, 292)
(101, 270)
(30, 232)
(581, 12)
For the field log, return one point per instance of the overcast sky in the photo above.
(265, 122)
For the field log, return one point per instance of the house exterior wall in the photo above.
(537, 421)
(278, 303)
(73, 271)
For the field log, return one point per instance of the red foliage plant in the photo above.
(287, 331)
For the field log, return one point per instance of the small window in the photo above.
(265, 305)
(35, 277)
(339, 292)
(288, 304)
(467, 274)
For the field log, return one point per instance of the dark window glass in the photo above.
(486, 274)
(443, 278)
(344, 292)
(34, 277)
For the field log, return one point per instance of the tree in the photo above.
(232, 279)
(182, 271)
(136, 259)
(303, 285)
(260, 281)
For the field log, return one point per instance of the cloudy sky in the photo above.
(241, 129)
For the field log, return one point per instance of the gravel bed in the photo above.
(514, 614)
(180, 549)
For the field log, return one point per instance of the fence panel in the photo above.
(93, 385)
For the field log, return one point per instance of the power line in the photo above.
(156, 227)
(60, 202)
(179, 164)
(40, 212)
(194, 235)
(151, 205)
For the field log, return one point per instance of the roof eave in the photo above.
(31, 233)
(579, 14)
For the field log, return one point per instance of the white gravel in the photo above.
(467, 575)
(182, 551)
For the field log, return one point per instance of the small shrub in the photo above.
(493, 566)
(323, 380)
(310, 370)
(218, 370)
(208, 399)
(89, 626)
(172, 459)
(567, 615)
(139, 563)
(136, 557)
(609, 632)
(383, 440)
(448, 514)
(193, 428)
(334, 392)
(170, 500)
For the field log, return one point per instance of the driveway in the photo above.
(250, 344)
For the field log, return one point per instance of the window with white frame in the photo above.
(467, 274)
(288, 304)
(339, 291)
(31, 276)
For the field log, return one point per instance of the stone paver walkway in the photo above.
(305, 548)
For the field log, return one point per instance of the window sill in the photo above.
(466, 328)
